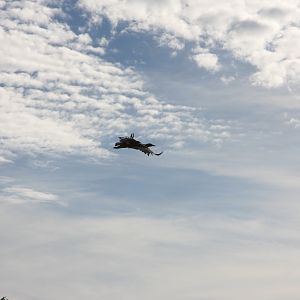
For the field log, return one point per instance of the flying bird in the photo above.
(130, 142)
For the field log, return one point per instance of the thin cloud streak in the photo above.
(15, 194)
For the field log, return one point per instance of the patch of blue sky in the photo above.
(133, 186)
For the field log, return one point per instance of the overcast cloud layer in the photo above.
(213, 84)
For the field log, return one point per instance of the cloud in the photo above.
(170, 41)
(15, 194)
(294, 122)
(243, 164)
(5, 179)
(59, 96)
(260, 33)
(129, 257)
(208, 61)
(4, 160)
(47, 165)
(227, 79)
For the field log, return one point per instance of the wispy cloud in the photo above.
(4, 160)
(15, 194)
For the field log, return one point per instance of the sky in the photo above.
(213, 84)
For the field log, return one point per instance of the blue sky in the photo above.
(213, 85)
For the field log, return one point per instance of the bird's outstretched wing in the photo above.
(147, 150)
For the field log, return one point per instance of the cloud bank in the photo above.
(264, 34)
(59, 95)
(134, 257)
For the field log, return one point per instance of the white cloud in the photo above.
(21, 195)
(227, 79)
(294, 123)
(134, 257)
(208, 61)
(262, 33)
(5, 179)
(4, 160)
(170, 41)
(58, 95)
(47, 165)
(103, 42)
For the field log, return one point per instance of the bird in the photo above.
(130, 142)
(4, 298)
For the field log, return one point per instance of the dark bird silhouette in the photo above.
(4, 298)
(130, 142)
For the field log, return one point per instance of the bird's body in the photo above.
(130, 142)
